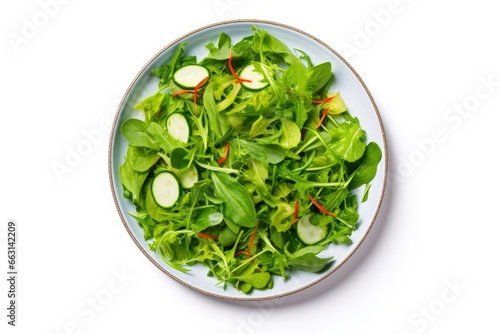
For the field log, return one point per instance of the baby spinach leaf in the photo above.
(316, 78)
(132, 180)
(179, 158)
(256, 280)
(141, 161)
(238, 205)
(366, 168)
(135, 131)
(206, 218)
(309, 262)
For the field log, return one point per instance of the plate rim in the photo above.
(380, 123)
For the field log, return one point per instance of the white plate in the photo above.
(356, 96)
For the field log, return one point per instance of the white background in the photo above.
(427, 266)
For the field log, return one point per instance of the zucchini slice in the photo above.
(190, 177)
(165, 189)
(255, 77)
(189, 76)
(310, 234)
(178, 127)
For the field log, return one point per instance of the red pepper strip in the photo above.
(296, 212)
(223, 159)
(207, 236)
(196, 89)
(251, 241)
(322, 117)
(184, 91)
(321, 208)
(323, 101)
(230, 64)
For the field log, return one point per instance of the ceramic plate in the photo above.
(356, 96)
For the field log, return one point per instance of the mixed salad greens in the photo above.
(246, 162)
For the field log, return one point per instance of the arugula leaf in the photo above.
(166, 71)
(257, 174)
(269, 153)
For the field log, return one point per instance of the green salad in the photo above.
(246, 162)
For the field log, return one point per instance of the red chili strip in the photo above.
(196, 89)
(320, 207)
(325, 112)
(323, 101)
(230, 65)
(207, 236)
(296, 213)
(226, 151)
(251, 241)
(184, 91)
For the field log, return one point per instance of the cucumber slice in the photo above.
(255, 77)
(310, 234)
(190, 177)
(189, 76)
(178, 127)
(165, 189)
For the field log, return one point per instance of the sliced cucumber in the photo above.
(310, 234)
(165, 189)
(189, 76)
(190, 177)
(178, 127)
(256, 79)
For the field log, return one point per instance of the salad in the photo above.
(246, 162)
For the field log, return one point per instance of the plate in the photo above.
(354, 93)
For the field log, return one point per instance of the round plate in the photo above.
(356, 96)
